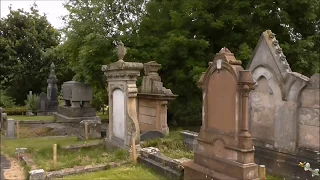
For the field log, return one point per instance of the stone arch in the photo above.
(262, 110)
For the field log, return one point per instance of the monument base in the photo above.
(61, 118)
(194, 171)
(115, 143)
(77, 112)
(286, 164)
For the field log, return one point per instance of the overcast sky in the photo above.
(53, 8)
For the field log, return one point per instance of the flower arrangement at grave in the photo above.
(306, 166)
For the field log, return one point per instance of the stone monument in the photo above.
(152, 101)
(76, 107)
(48, 103)
(122, 92)
(225, 148)
(284, 119)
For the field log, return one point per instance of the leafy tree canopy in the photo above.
(25, 38)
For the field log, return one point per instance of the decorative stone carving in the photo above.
(284, 118)
(152, 100)
(225, 149)
(121, 78)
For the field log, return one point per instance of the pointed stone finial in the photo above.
(224, 50)
(121, 51)
(52, 66)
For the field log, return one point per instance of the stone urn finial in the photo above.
(121, 51)
(52, 66)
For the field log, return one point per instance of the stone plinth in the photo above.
(225, 148)
(284, 119)
(152, 101)
(122, 93)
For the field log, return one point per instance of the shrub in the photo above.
(16, 110)
(31, 102)
(5, 100)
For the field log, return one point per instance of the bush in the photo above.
(16, 110)
(31, 102)
(5, 100)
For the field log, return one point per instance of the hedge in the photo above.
(16, 110)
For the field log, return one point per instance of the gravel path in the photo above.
(5, 164)
(11, 169)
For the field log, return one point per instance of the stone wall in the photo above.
(308, 119)
(284, 111)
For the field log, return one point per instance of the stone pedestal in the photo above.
(122, 92)
(225, 149)
(152, 101)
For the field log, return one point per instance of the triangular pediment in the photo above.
(269, 54)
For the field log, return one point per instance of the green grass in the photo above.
(42, 152)
(129, 172)
(171, 146)
(32, 118)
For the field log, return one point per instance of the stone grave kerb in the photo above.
(224, 144)
(122, 94)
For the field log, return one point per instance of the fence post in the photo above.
(262, 172)
(55, 156)
(134, 153)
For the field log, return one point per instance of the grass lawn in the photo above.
(129, 172)
(42, 152)
(171, 146)
(32, 118)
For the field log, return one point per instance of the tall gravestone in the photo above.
(153, 100)
(284, 118)
(225, 149)
(122, 92)
(48, 102)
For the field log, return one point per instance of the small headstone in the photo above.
(94, 129)
(151, 135)
(37, 174)
(10, 133)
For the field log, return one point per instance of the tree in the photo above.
(93, 29)
(184, 35)
(25, 36)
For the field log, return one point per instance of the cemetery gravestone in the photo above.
(122, 93)
(48, 102)
(11, 129)
(284, 118)
(225, 149)
(94, 129)
(76, 97)
(152, 101)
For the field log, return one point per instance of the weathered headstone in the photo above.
(123, 120)
(225, 149)
(152, 101)
(284, 118)
(93, 129)
(11, 130)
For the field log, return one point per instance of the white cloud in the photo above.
(52, 8)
